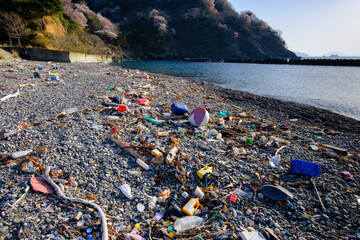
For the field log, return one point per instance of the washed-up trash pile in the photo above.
(147, 156)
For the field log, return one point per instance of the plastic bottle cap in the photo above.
(137, 225)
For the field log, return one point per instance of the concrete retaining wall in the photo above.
(39, 54)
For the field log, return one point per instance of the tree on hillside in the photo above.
(37, 8)
(13, 24)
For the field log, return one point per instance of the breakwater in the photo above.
(307, 61)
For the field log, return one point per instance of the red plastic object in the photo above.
(114, 130)
(121, 108)
(207, 105)
(232, 198)
(41, 186)
(143, 101)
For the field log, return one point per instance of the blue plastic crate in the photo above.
(306, 168)
(54, 78)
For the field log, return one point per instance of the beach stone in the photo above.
(4, 229)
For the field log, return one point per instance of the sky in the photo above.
(314, 27)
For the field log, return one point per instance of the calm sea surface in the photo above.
(334, 88)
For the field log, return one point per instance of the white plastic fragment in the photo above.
(314, 147)
(274, 161)
(20, 154)
(140, 207)
(126, 190)
(142, 164)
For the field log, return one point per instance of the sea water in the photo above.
(335, 88)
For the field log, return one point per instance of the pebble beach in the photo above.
(68, 124)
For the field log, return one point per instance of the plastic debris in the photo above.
(144, 76)
(143, 101)
(251, 236)
(140, 207)
(276, 192)
(179, 109)
(186, 223)
(41, 186)
(20, 154)
(126, 190)
(306, 168)
(199, 117)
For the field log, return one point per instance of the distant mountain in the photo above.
(156, 29)
(302, 55)
(333, 54)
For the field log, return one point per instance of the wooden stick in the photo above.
(318, 195)
(60, 194)
(17, 93)
(118, 142)
(26, 190)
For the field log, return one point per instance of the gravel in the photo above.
(78, 148)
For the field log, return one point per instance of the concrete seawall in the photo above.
(39, 54)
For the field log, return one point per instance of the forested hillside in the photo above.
(143, 29)
(192, 28)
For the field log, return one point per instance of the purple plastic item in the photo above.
(199, 116)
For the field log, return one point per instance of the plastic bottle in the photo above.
(152, 202)
(21, 153)
(185, 223)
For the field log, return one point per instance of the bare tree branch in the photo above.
(13, 24)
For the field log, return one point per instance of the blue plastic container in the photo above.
(306, 168)
(179, 109)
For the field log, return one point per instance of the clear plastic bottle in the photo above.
(152, 202)
(185, 223)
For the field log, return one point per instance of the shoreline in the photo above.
(63, 124)
(281, 109)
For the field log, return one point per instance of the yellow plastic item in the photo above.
(156, 153)
(191, 206)
(171, 234)
(204, 171)
(137, 225)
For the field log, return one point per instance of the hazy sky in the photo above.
(314, 27)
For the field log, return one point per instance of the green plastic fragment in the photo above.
(149, 119)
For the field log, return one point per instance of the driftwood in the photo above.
(117, 141)
(60, 194)
(17, 93)
(318, 195)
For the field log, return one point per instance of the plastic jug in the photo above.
(179, 109)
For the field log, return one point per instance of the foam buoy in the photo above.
(199, 117)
